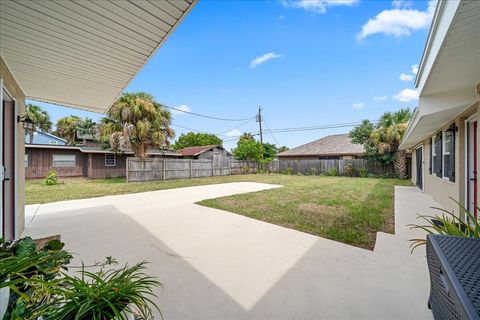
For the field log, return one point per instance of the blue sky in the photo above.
(307, 63)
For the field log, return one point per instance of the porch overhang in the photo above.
(83, 53)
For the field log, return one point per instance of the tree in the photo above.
(86, 128)
(66, 127)
(192, 139)
(39, 118)
(283, 149)
(381, 142)
(246, 136)
(248, 150)
(136, 120)
(269, 151)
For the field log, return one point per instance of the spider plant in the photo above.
(102, 295)
(447, 223)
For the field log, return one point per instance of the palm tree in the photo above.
(40, 120)
(388, 135)
(135, 119)
(86, 128)
(67, 126)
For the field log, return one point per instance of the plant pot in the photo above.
(4, 297)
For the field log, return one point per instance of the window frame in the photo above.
(26, 160)
(433, 155)
(114, 160)
(55, 163)
(445, 152)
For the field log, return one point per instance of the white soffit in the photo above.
(83, 53)
(457, 64)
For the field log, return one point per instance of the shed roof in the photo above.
(338, 144)
(195, 151)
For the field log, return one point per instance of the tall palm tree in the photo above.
(388, 135)
(67, 126)
(40, 120)
(86, 128)
(135, 119)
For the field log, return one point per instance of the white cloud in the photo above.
(233, 133)
(180, 109)
(380, 98)
(415, 69)
(402, 3)
(358, 105)
(262, 59)
(398, 21)
(406, 77)
(317, 6)
(406, 95)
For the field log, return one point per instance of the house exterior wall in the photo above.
(14, 89)
(441, 189)
(215, 151)
(96, 168)
(344, 157)
(40, 161)
(42, 138)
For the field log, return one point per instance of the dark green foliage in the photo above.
(193, 139)
(447, 223)
(106, 294)
(269, 151)
(362, 172)
(248, 150)
(332, 172)
(30, 273)
(282, 149)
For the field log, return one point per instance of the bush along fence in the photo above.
(156, 169)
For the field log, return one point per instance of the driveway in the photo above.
(219, 265)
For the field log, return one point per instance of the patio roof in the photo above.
(83, 53)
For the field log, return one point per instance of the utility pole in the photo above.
(259, 120)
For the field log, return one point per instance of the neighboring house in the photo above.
(338, 146)
(204, 152)
(69, 58)
(40, 137)
(443, 132)
(80, 161)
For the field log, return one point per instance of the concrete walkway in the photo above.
(219, 265)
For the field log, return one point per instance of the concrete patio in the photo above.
(219, 265)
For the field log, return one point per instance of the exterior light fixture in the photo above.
(27, 123)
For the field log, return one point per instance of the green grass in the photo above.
(350, 210)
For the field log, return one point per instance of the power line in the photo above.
(269, 131)
(206, 116)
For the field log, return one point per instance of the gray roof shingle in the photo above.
(338, 144)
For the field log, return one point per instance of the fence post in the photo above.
(213, 167)
(164, 162)
(191, 168)
(127, 168)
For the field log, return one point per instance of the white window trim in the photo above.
(114, 160)
(64, 166)
(444, 153)
(26, 160)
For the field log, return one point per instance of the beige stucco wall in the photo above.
(14, 89)
(439, 188)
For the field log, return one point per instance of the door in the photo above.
(8, 166)
(419, 165)
(472, 156)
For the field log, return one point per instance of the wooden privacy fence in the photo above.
(324, 166)
(156, 169)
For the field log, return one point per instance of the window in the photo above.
(26, 161)
(110, 160)
(437, 155)
(64, 160)
(449, 153)
(52, 142)
(433, 157)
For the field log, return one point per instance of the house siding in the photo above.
(98, 170)
(441, 189)
(15, 90)
(40, 161)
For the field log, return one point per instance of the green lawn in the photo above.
(350, 210)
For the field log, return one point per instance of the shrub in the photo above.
(245, 169)
(447, 224)
(350, 170)
(333, 172)
(288, 171)
(299, 174)
(363, 172)
(51, 178)
(313, 171)
(371, 175)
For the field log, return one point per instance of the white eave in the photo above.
(449, 70)
(83, 53)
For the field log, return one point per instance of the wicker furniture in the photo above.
(454, 265)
